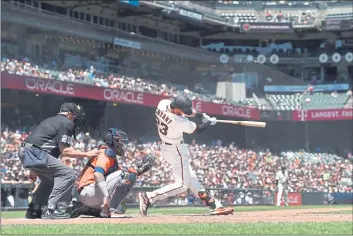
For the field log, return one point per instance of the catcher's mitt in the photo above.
(145, 164)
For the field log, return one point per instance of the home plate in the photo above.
(122, 216)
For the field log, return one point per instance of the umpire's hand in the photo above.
(32, 177)
(93, 153)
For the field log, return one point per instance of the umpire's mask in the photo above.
(76, 110)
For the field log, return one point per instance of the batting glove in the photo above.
(213, 120)
(205, 117)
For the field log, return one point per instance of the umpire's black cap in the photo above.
(76, 110)
(183, 103)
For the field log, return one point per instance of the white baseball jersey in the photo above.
(172, 127)
(282, 178)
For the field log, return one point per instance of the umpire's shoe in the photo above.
(144, 203)
(33, 212)
(78, 209)
(49, 213)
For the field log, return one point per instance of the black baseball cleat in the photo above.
(78, 209)
(144, 203)
(55, 214)
(33, 213)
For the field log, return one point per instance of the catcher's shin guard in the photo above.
(207, 199)
(122, 189)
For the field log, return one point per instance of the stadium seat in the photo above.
(317, 101)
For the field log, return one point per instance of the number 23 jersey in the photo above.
(172, 127)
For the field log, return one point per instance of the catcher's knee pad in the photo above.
(207, 199)
(131, 179)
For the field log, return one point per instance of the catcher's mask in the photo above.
(77, 111)
(117, 140)
(145, 164)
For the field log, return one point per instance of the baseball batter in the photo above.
(282, 188)
(172, 123)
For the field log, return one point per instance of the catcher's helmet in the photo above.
(76, 110)
(117, 140)
(183, 103)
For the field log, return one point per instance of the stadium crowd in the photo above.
(216, 165)
(52, 70)
(90, 75)
(302, 18)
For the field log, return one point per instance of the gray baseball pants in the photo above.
(57, 181)
(119, 184)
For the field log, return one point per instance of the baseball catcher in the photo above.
(102, 181)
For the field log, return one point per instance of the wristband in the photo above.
(103, 187)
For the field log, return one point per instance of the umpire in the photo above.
(40, 152)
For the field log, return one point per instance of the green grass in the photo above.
(186, 210)
(195, 228)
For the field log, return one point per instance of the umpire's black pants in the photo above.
(57, 181)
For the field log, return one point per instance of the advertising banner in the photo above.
(63, 88)
(190, 14)
(126, 43)
(135, 3)
(268, 115)
(267, 27)
(342, 198)
(295, 199)
(301, 88)
(327, 114)
(337, 24)
(314, 198)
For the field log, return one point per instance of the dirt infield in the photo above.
(285, 215)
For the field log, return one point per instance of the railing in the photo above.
(16, 197)
(149, 44)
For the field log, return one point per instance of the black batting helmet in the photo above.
(76, 110)
(183, 103)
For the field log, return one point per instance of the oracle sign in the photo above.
(236, 111)
(123, 96)
(50, 86)
(64, 88)
(295, 199)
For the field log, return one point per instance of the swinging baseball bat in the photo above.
(244, 123)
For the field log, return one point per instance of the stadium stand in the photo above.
(304, 101)
(239, 18)
(25, 66)
(216, 166)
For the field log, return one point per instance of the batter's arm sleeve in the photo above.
(203, 126)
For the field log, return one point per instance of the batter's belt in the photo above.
(171, 144)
